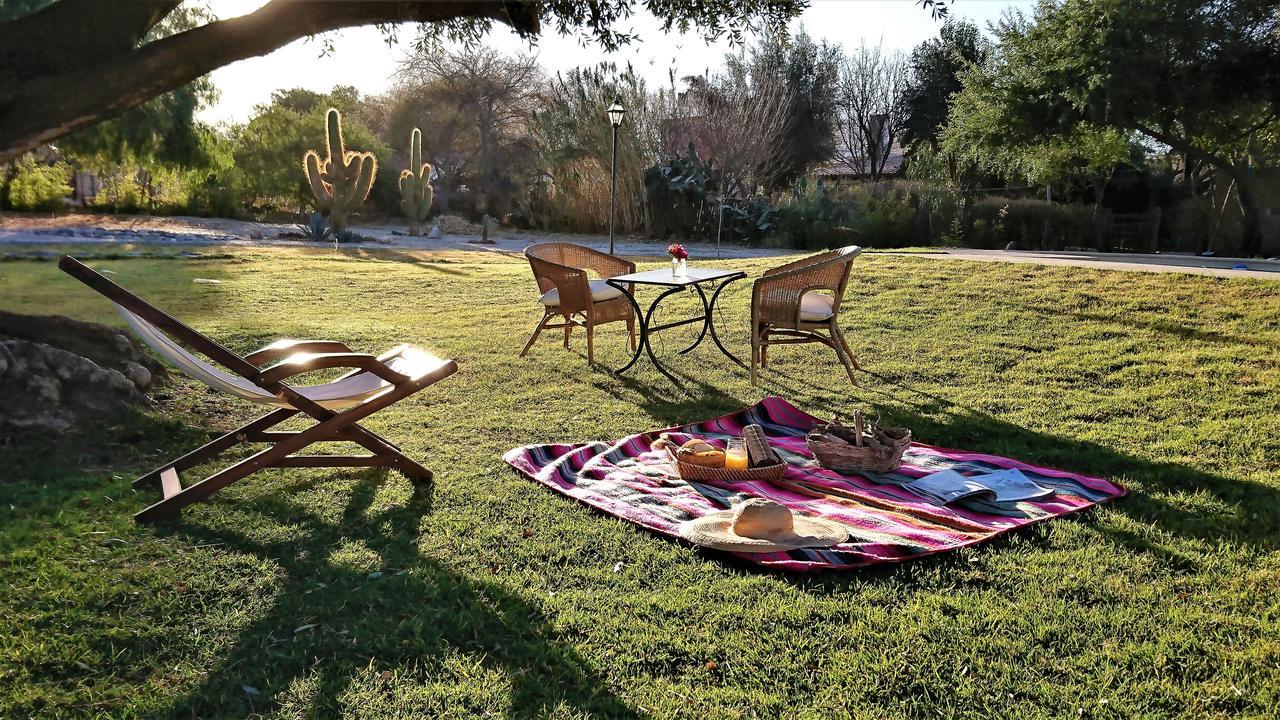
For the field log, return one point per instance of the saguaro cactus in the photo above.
(343, 181)
(415, 185)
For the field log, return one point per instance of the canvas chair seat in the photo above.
(406, 360)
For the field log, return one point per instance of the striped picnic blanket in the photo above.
(887, 523)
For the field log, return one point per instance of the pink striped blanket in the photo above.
(886, 522)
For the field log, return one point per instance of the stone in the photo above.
(255, 234)
(49, 389)
(435, 233)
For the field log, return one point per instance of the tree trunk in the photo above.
(45, 95)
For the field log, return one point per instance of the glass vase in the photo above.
(679, 267)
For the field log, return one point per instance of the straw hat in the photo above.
(760, 525)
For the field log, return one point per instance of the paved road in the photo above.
(1163, 263)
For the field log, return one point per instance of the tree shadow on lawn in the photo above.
(1253, 520)
(408, 621)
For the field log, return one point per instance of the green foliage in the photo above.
(343, 180)
(267, 148)
(36, 186)
(810, 72)
(575, 145)
(415, 185)
(1032, 224)
(679, 197)
(867, 215)
(937, 66)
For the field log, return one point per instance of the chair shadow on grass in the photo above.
(411, 619)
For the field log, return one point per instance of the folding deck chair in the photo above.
(373, 384)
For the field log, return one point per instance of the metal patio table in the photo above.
(694, 278)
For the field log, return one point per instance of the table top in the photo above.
(663, 276)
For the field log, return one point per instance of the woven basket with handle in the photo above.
(874, 448)
(689, 471)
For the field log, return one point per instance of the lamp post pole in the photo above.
(614, 112)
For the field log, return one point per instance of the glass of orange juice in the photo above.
(735, 455)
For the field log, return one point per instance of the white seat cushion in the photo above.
(816, 307)
(600, 291)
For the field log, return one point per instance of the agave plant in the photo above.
(316, 228)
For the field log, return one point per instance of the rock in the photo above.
(397, 232)
(104, 346)
(53, 390)
(1011, 247)
(138, 375)
(435, 233)
(255, 234)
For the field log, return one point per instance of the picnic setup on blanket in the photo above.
(804, 516)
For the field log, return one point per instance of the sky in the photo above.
(362, 58)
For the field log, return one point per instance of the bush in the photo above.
(866, 215)
(678, 194)
(1031, 224)
(35, 186)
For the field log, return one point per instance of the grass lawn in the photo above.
(497, 598)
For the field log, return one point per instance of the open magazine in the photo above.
(948, 486)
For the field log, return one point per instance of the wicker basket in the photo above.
(876, 448)
(689, 471)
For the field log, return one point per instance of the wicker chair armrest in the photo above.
(570, 283)
(285, 348)
(305, 362)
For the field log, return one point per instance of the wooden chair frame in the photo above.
(342, 425)
(776, 307)
(563, 267)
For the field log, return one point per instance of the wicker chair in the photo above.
(787, 303)
(567, 292)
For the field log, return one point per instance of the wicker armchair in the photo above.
(787, 303)
(561, 270)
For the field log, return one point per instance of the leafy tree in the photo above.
(936, 67)
(810, 73)
(268, 149)
(485, 103)
(1198, 76)
(73, 63)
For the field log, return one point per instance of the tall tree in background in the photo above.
(810, 72)
(870, 108)
(936, 68)
(73, 63)
(492, 99)
(1201, 77)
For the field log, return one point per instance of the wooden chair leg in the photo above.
(631, 330)
(591, 351)
(755, 349)
(568, 328)
(542, 324)
(845, 360)
(847, 350)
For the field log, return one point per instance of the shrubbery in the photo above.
(35, 186)
(1031, 224)
(867, 215)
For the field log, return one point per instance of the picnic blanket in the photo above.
(887, 523)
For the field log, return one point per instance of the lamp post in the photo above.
(614, 112)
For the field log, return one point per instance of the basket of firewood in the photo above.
(865, 446)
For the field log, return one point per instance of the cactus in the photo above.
(344, 179)
(415, 185)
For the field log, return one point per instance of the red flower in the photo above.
(677, 251)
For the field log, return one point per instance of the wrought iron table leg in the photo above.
(644, 327)
(647, 342)
(706, 319)
(711, 323)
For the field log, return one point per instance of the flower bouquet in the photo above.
(679, 260)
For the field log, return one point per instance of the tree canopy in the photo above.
(73, 63)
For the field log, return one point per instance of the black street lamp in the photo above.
(614, 112)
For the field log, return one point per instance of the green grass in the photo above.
(498, 598)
